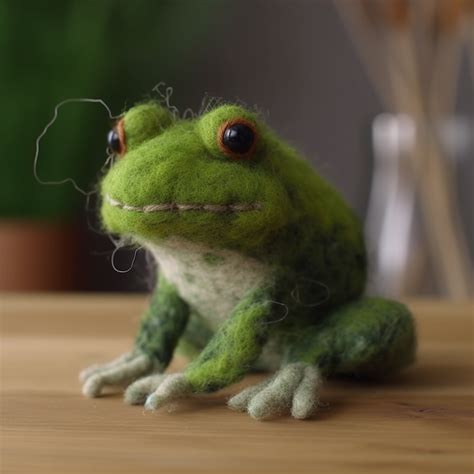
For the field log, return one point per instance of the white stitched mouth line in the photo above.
(218, 208)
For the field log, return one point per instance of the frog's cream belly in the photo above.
(211, 281)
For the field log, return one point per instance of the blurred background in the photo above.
(378, 94)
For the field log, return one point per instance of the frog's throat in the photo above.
(217, 208)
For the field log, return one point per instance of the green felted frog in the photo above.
(261, 266)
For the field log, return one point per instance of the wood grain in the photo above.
(421, 422)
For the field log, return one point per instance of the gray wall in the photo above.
(294, 61)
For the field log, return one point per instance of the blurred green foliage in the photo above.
(112, 49)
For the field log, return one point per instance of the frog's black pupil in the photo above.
(238, 138)
(113, 139)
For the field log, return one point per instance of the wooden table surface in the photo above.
(421, 421)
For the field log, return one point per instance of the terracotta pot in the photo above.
(38, 256)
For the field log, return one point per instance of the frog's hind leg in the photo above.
(372, 336)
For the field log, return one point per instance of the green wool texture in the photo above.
(261, 265)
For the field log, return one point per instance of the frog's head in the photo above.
(212, 179)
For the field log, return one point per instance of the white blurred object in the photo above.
(393, 226)
(391, 208)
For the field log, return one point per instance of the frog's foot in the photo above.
(158, 390)
(294, 388)
(120, 371)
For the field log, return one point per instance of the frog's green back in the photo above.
(323, 238)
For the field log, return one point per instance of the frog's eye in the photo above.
(116, 139)
(237, 138)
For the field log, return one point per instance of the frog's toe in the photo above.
(293, 389)
(96, 368)
(137, 392)
(171, 388)
(306, 396)
(115, 374)
(240, 402)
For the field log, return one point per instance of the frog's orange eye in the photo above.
(116, 139)
(237, 138)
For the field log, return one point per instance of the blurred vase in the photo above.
(405, 255)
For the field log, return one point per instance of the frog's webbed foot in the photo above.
(294, 388)
(157, 390)
(121, 371)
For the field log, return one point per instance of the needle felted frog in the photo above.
(261, 265)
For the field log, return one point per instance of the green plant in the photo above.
(111, 49)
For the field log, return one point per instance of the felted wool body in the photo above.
(261, 262)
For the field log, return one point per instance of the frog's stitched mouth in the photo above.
(217, 208)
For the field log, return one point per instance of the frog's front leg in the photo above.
(228, 356)
(160, 329)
